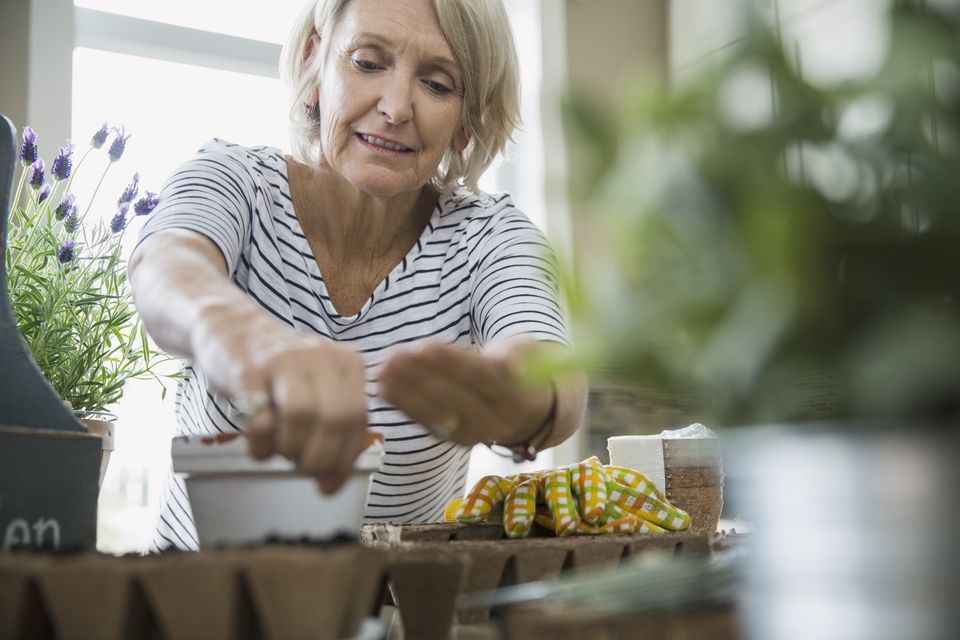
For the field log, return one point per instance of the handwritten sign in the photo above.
(18, 534)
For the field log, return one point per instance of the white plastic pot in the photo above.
(239, 500)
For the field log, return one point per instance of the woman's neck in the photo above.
(354, 226)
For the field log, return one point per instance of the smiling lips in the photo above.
(383, 146)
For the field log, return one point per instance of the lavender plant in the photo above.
(67, 278)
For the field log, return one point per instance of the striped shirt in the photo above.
(481, 271)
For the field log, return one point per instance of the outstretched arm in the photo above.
(316, 410)
(474, 397)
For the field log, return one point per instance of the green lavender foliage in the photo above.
(76, 316)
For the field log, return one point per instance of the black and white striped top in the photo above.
(480, 271)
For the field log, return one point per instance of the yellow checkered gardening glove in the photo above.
(584, 499)
(512, 499)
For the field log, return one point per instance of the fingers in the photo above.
(330, 453)
(297, 414)
(331, 484)
(327, 450)
(589, 484)
(519, 508)
(261, 435)
(434, 400)
(220, 438)
(488, 376)
(315, 413)
(433, 382)
(333, 450)
(556, 491)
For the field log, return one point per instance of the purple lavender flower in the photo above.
(65, 207)
(119, 221)
(100, 137)
(45, 191)
(28, 150)
(65, 254)
(131, 191)
(37, 178)
(146, 204)
(63, 163)
(118, 145)
(72, 222)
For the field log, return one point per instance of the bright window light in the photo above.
(171, 110)
(266, 21)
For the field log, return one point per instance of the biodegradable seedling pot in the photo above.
(488, 560)
(589, 552)
(214, 607)
(95, 597)
(425, 585)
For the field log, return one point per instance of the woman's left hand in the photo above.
(465, 396)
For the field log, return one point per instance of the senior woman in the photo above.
(363, 282)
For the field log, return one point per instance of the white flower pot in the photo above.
(103, 425)
(238, 500)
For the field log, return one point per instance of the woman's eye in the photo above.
(437, 87)
(365, 65)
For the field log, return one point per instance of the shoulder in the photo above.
(252, 161)
(474, 212)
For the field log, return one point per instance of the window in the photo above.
(175, 74)
(266, 22)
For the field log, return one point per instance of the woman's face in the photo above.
(390, 96)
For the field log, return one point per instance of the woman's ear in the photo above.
(312, 49)
(313, 99)
(460, 140)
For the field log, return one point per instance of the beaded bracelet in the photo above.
(528, 450)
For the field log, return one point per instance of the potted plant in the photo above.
(67, 280)
(799, 264)
(750, 256)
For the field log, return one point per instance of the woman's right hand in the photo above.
(316, 415)
(317, 412)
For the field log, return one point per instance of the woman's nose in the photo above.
(396, 100)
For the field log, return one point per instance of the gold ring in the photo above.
(446, 426)
(248, 404)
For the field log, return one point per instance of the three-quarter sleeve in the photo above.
(515, 290)
(212, 194)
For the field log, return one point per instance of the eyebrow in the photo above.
(444, 63)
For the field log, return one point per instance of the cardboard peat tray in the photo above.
(490, 561)
(535, 621)
(393, 535)
(275, 592)
(268, 593)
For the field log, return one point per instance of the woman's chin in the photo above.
(385, 186)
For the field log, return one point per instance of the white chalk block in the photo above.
(641, 453)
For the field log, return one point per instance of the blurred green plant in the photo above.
(67, 280)
(783, 259)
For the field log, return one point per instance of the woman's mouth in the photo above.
(385, 147)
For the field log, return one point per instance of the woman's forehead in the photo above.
(394, 24)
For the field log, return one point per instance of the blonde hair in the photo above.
(481, 41)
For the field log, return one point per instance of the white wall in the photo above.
(14, 39)
(834, 39)
(36, 46)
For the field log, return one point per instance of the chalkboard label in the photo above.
(48, 489)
